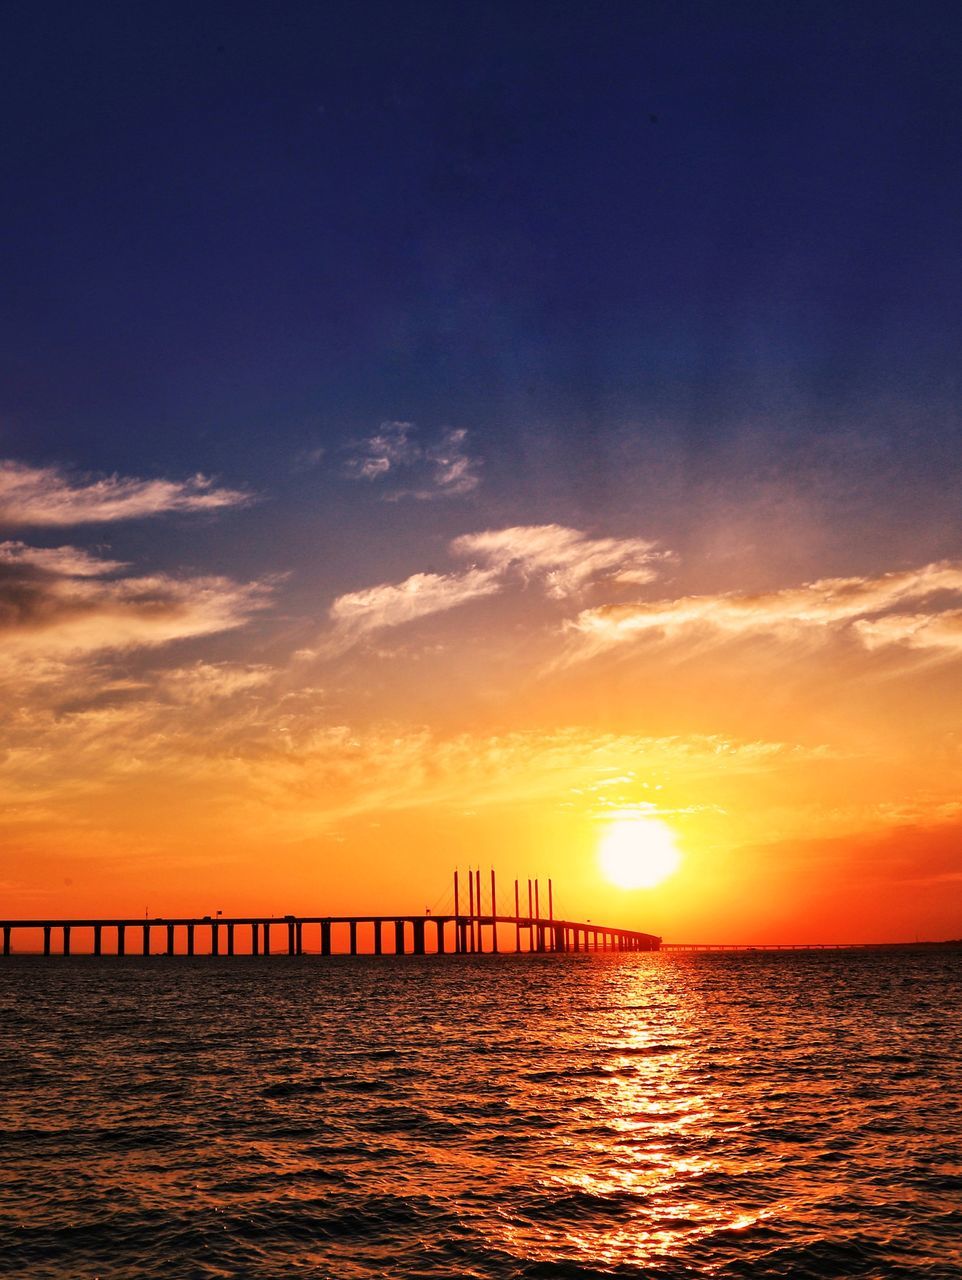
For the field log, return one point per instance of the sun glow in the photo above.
(638, 852)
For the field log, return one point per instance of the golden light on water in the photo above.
(638, 852)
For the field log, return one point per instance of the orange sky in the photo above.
(175, 742)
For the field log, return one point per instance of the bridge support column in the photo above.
(399, 937)
(170, 939)
(146, 944)
(325, 937)
(214, 938)
(353, 943)
(6, 939)
(98, 940)
(290, 937)
(46, 939)
(439, 925)
(255, 938)
(267, 937)
(66, 939)
(230, 939)
(299, 937)
(121, 939)
(418, 937)
(190, 939)
(377, 938)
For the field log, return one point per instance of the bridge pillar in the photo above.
(299, 937)
(267, 937)
(6, 939)
(255, 938)
(290, 937)
(439, 925)
(377, 937)
(325, 937)
(66, 939)
(98, 940)
(190, 939)
(418, 937)
(214, 938)
(230, 939)
(46, 939)
(121, 939)
(146, 945)
(353, 945)
(170, 939)
(399, 937)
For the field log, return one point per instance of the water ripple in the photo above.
(573, 1118)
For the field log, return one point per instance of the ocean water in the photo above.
(663, 1115)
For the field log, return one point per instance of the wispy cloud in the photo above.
(387, 449)
(562, 561)
(71, 562)
(940, 631)
(59, 603)
(858, 605)
(391, 604)
(565, 560)
(453, 470)
(442, 468)
(47, 496)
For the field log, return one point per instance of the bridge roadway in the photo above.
(453, 934)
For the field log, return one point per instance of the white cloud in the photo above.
(71, 562)
(565, 560)
(58, 608)
(454, 471)
(392, 604)
(941, 631)
(46, 496)
(828, 605)
(390, 447)
(440, 469)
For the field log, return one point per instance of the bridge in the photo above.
(470, 932)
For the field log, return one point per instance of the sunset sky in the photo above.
(429, 431)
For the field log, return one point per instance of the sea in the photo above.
(565, 1117)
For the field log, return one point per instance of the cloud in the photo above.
(204, 682)
(565, 560)
(57, 604)
(70, 562)
(389, 448)
(440, 469)
(256, 765)
(46, 496)
(826, 606)
(941, 631)
(454, 471)
(392, 604)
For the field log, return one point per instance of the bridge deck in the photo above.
(467, 933)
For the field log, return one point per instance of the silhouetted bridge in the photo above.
(459, 933)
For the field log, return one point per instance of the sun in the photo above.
(638, 852)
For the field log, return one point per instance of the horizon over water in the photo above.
(663, 1115)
